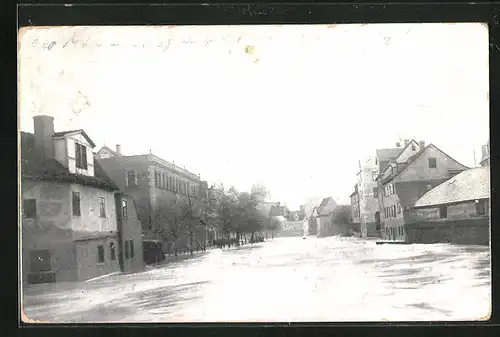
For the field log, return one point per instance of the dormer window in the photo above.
(81, 156)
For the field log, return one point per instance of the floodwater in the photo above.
(285, 280)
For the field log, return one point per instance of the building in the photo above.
(69, 219)
(368, 198)
(129, 234)
(324, 223)
(404, 180)
(485, 158)
(456, 211)
(355, 207)
(161, 191)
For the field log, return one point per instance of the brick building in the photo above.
(160, 191)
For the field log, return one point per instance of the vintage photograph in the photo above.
(259, 173)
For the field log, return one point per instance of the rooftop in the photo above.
(33, 167)
(471, 184)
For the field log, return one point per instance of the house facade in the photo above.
(456, 211)
(160, 190)
(69, 221)
(403, 181)
(323, 221)
(355, 206)
(368, 198)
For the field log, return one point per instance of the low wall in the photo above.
(475, 231)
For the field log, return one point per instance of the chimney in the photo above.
(484, 151)
(421, 144)
(407, 141)
(398, 144)
(118, 149)
(44, 131)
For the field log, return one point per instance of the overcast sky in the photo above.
(292, 107)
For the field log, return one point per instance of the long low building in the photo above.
(456, 211)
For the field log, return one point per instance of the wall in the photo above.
(368, 203)
(90, 219)
(132, 230)
(86, 253)
(419, 169)
(104, 153)
(61, 153)
(70, 144)
(474, 231)
(117, 168)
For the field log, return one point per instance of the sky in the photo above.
(292, 107)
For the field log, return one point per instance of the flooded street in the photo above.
(287, 280)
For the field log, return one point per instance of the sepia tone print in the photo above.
(293, 173)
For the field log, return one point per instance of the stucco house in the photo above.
(404, 180)
(69, 220)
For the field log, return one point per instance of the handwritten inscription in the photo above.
(49, 45)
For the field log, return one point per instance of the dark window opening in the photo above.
(112, 251)
(126, 250)
(124, 209)
(102, 206)
(480, 207)
(443, 212)
(432, 163)
(413, 147)
(81, 156)
(29, 208)
(76, 203)
(100, 254)
(131, 247)
(131, 178)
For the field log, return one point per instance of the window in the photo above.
(102, 205)
(164, 184)
(480, 207)
(156, 179)
(100, 254)
(81, 156)
(126, 250)
(131, 178)
(443, 212)
(432, 163)
(399, 208)
(29, 208)
(112, 251)
(131, 247)
(124, 209)
(413, 147)
(40, 261)
(394, 211)
(393, 189)
(76, 203)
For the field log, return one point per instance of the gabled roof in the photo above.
(388, 154)
(110, 150)
(405, 147)
(471, 184)
(403, 166)
(72, 132)
(33, 167)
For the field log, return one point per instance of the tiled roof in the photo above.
(33, 167)
(471, 184)
(388, 154)
(64, 133)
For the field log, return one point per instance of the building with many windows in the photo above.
(160, 190)
(404, 180)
